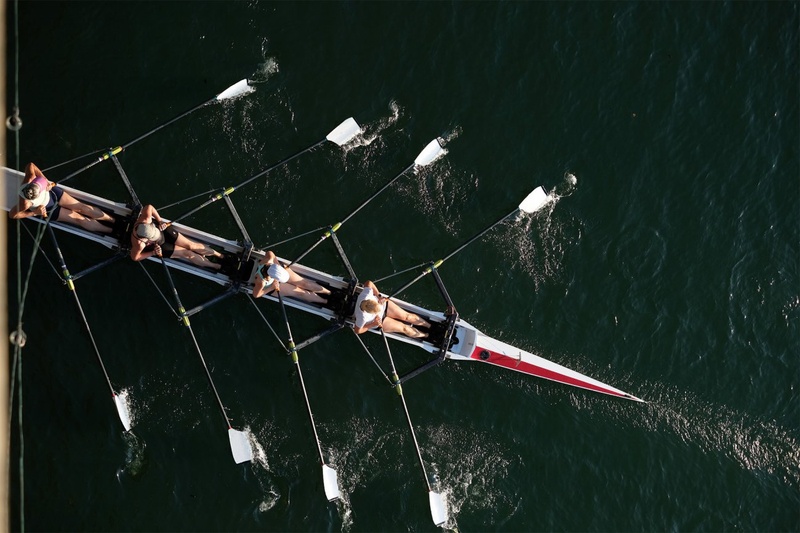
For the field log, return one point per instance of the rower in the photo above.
(373, 310)
(151, 236)
(286, 280)
(38, 197)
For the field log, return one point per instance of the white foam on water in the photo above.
(537, 243)
(760, 446)
(467, 467)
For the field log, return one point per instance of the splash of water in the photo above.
(135, 456)
(538, 243)
(471, 465)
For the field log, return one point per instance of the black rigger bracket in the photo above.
(121, 254)
(238, 220)
(451, 319)
(333, 329)
(126, 181)
(230, 291)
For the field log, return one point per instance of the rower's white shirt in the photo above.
(362, 317)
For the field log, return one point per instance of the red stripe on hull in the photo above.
(513, 363)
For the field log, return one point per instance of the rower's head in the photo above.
(30, 191)
(279, 273)
(146, 231)
(371, 306)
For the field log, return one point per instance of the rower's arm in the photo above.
(22, 210)
(374, 323)
(31, 172)
(147, 214)
(137, 250)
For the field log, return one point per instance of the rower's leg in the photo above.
(307, 284)
(391, 325)
(194, 258)
(89, 224)
(302, 294)
(89, 211)
(395, 311)
(196, 247)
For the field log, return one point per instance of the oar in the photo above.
(329, 477)
(119, 402)
(240, 444)
(425, 157)
(435, 499)
(532, 203)
(233, 91)
(341, 135)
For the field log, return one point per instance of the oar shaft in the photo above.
(181, 310)
(279, 163)
(296, 359)
(336, 226)
(478, 236)
(185, 320)
(229, 190)
(399, 389)
(210, 380)
(106, 155)
(71, 286)
(376, 194)
(164, 125)
(438, 263)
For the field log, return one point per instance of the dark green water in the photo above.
(670, 269)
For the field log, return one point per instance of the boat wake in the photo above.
(756, 445)
(760, 446)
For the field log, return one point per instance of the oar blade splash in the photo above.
(123, 411)
(330, 480)
(344, 132)
(535, 200)
(438, 508)
(237, 89)
(240, 446)
(429, 153)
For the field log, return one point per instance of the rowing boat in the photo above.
(468, 343)
(450, 337)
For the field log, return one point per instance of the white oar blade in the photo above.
(438, 508)
(429, 153)
(344, 132)
(122, 410)
(535, 200)
(331, 483)
(240, 446)
(235, 90)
